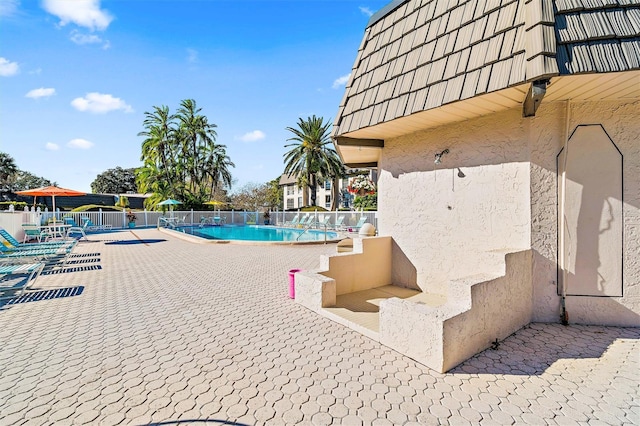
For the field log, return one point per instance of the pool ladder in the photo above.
(306, 228)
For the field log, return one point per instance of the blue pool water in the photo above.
(256, 233)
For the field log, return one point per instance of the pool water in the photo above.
(256, 233)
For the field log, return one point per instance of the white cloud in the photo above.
(8, 7)
(85, 13)
(8, 68)
(192, 56)
(366, 11)
(41, 93)
(79, 144)
(37, 71)
(99, 103)
(253, 136)
(52, 146)
(79, 38)
(341, 81)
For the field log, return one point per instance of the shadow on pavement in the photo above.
(38, 295)
(534, 348)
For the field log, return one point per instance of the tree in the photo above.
(181, 157)
(312, 158)
(115, 181)
(26, 180)
(251, 196)
(8, 171)
(275, 196)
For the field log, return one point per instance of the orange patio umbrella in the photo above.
(51, 191)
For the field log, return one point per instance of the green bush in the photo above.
(95, 208)
(366, 202)
(17, 205)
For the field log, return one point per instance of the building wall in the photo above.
(496, 191)
(457, 218)
(549, 127)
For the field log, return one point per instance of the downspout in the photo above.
(564, 252)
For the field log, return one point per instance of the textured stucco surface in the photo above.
(496, 191)
(457, 218)
(620, 121)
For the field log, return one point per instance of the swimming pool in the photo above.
(257, 233)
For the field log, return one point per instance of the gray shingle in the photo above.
(464, 37)
(469, 89)
(507, 17)
(420, 78)
(508, 43)
(633, 15)
(596, 25)
(483, 79)
(437, 71)
(441, 46)
(453, 90)
(436, 95)
(420, 99)
(631, 51)
(429, 52)
(500, 74)
(464, 60)
(494, 48)
(518, 70)
(452, 65)
(621, 23)
(469, 12)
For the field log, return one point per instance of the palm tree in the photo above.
(8, 169)
(180, 155)
(311, 156)
(158, 148)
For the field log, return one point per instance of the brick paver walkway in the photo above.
(168, 331)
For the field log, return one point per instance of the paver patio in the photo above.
(146, 328)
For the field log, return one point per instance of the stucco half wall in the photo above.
(495, 191)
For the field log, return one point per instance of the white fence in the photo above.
(12, 221)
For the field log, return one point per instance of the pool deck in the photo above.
(142, 327)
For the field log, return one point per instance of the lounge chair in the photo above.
(358, 225)
(339, 225)
(305, 221)
(323, 223)
(13, 244)
(15, 277)
(294, 221)
(37, 255)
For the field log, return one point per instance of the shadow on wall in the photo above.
(403, 272)
(534, 348)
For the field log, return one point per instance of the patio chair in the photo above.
(16, 276)
(31, 232)
(79, 230)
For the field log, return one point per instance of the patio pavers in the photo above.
(148, 328)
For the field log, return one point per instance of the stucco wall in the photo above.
(548, 130)
(457, 218)
(496, 191)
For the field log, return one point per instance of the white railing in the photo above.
(119, 220)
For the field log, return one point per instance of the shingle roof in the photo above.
(418, 55)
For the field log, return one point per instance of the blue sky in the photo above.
(76, 76)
